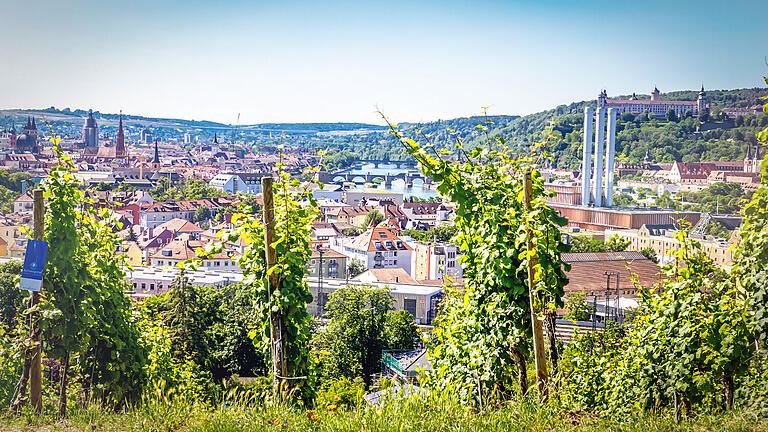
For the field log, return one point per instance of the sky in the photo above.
(339, 61)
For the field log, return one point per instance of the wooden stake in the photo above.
(31, 372)
(35, 373)
(538, 333)
(275, 318)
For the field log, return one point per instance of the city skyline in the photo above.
(301, 62)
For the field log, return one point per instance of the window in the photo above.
(410, 306)
(143, 286)
(151, 287)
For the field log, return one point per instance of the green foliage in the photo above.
(10, 365)
(351, 344)
(355, 267)
(442, 233)
(587, 243)
(7, 197)
(665, 201)
(751, 257)
(400, 331)
(234, 350)
(650, 253)
(589, 365)
(352, 232)
(11, 297)
(343, 394)
(289, 298)
(483, 333)
(578, 308)
(373, 215)
(169, 376)
(624, 200)
(339, 159)
(85, 317)
(719, 197)
(189, 189)
(689, 340)
(202, 213)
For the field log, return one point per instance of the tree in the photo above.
(85, 315)
(623, 200)
(665, 201)
(485, 329)
(671, 115)
(650, 253)
(202, 213)
(400, 331)
(355, 267)
(351, 232)
(578, 308)
(355, 335)
(11, 297)
(375, 216)
(102, 186)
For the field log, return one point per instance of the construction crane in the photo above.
(234, 131)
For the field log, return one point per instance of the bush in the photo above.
(341, 394)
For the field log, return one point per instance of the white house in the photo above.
(380, 248)
(247, 183)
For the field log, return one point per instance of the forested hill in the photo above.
(665, 141)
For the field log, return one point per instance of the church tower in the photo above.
(91, 132)
(156, 160)
(602, 99)
(655, 94)
(120, 146)
(701, 102)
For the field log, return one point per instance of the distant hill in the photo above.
(77, 116)
(662, 140)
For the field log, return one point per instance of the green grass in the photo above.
(418, 416)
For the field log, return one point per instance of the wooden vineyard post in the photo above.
(538, 333)
(31, 371)
(35, 373)
(275, 318)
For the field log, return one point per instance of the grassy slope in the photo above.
(422, 417)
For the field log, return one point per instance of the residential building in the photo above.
(420, 300)
(661, 238)
(147, 281)
(184, 248)
(234, 183)
(379, 247)
(436, 261)
(396, 275)
(356, 196)
(426, 215)
(24, 204)
(134, 255)
(331, 263)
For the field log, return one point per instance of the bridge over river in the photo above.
(342, 176)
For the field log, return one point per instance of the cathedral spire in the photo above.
(120, 146)
(156, 161)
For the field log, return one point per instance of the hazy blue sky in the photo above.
(336, 61)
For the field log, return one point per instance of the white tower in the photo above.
(586, 161)
(610, 149)
(599, 136)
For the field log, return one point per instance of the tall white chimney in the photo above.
(599, 134)
(586, 161)
(610, 144)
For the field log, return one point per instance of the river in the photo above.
(398, 185)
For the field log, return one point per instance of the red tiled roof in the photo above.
(379, 239)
